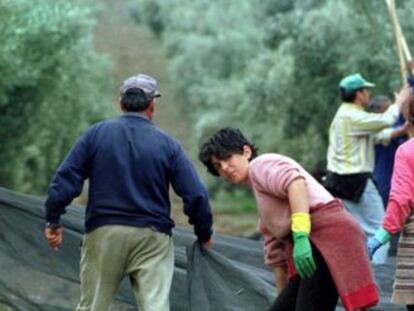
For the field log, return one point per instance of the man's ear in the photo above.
(152, 105)
(150, 109)
(120, 105)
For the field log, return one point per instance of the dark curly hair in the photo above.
(222, 145)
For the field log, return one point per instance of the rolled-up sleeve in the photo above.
(384, 137)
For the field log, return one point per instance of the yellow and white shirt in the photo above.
(352, 138)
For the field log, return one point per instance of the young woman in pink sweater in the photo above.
(321, 244)
(399, 217)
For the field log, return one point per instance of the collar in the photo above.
(135, 114)
(352, 105)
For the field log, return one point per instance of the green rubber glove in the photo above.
(380, 238)
(383, 235)
(302, 255)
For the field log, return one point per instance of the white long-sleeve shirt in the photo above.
(352, 138)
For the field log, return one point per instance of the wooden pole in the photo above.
(402, 48)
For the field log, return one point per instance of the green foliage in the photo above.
(153, 18)
(53, 86)
(272, 67)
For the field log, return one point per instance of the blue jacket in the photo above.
(384, 162)
(130, 164)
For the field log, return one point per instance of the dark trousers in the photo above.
(317, 293)
(410, 307)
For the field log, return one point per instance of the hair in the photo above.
(135, 100)
(222, 145)
(348, 96)
(409, 111)
(376, 103)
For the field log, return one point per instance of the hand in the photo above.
(373, 245)
(402, 97)
(381, 237)
(53, 237)
(208, 244)
(302, 255)
(406, 127)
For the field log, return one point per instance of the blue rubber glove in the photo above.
(380, 238)
(302, 255)
(373, 245)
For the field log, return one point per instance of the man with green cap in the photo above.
(351, 153)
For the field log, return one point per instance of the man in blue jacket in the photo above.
(130, 164)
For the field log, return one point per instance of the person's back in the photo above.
(131, 164)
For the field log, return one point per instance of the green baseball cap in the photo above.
(355, 82)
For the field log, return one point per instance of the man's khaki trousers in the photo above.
(111, 252)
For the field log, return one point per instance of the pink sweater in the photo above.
(270, 176)
(334, 232)
(401, 201)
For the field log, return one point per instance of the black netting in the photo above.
(34, 277)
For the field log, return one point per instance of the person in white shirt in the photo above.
(351, 153)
